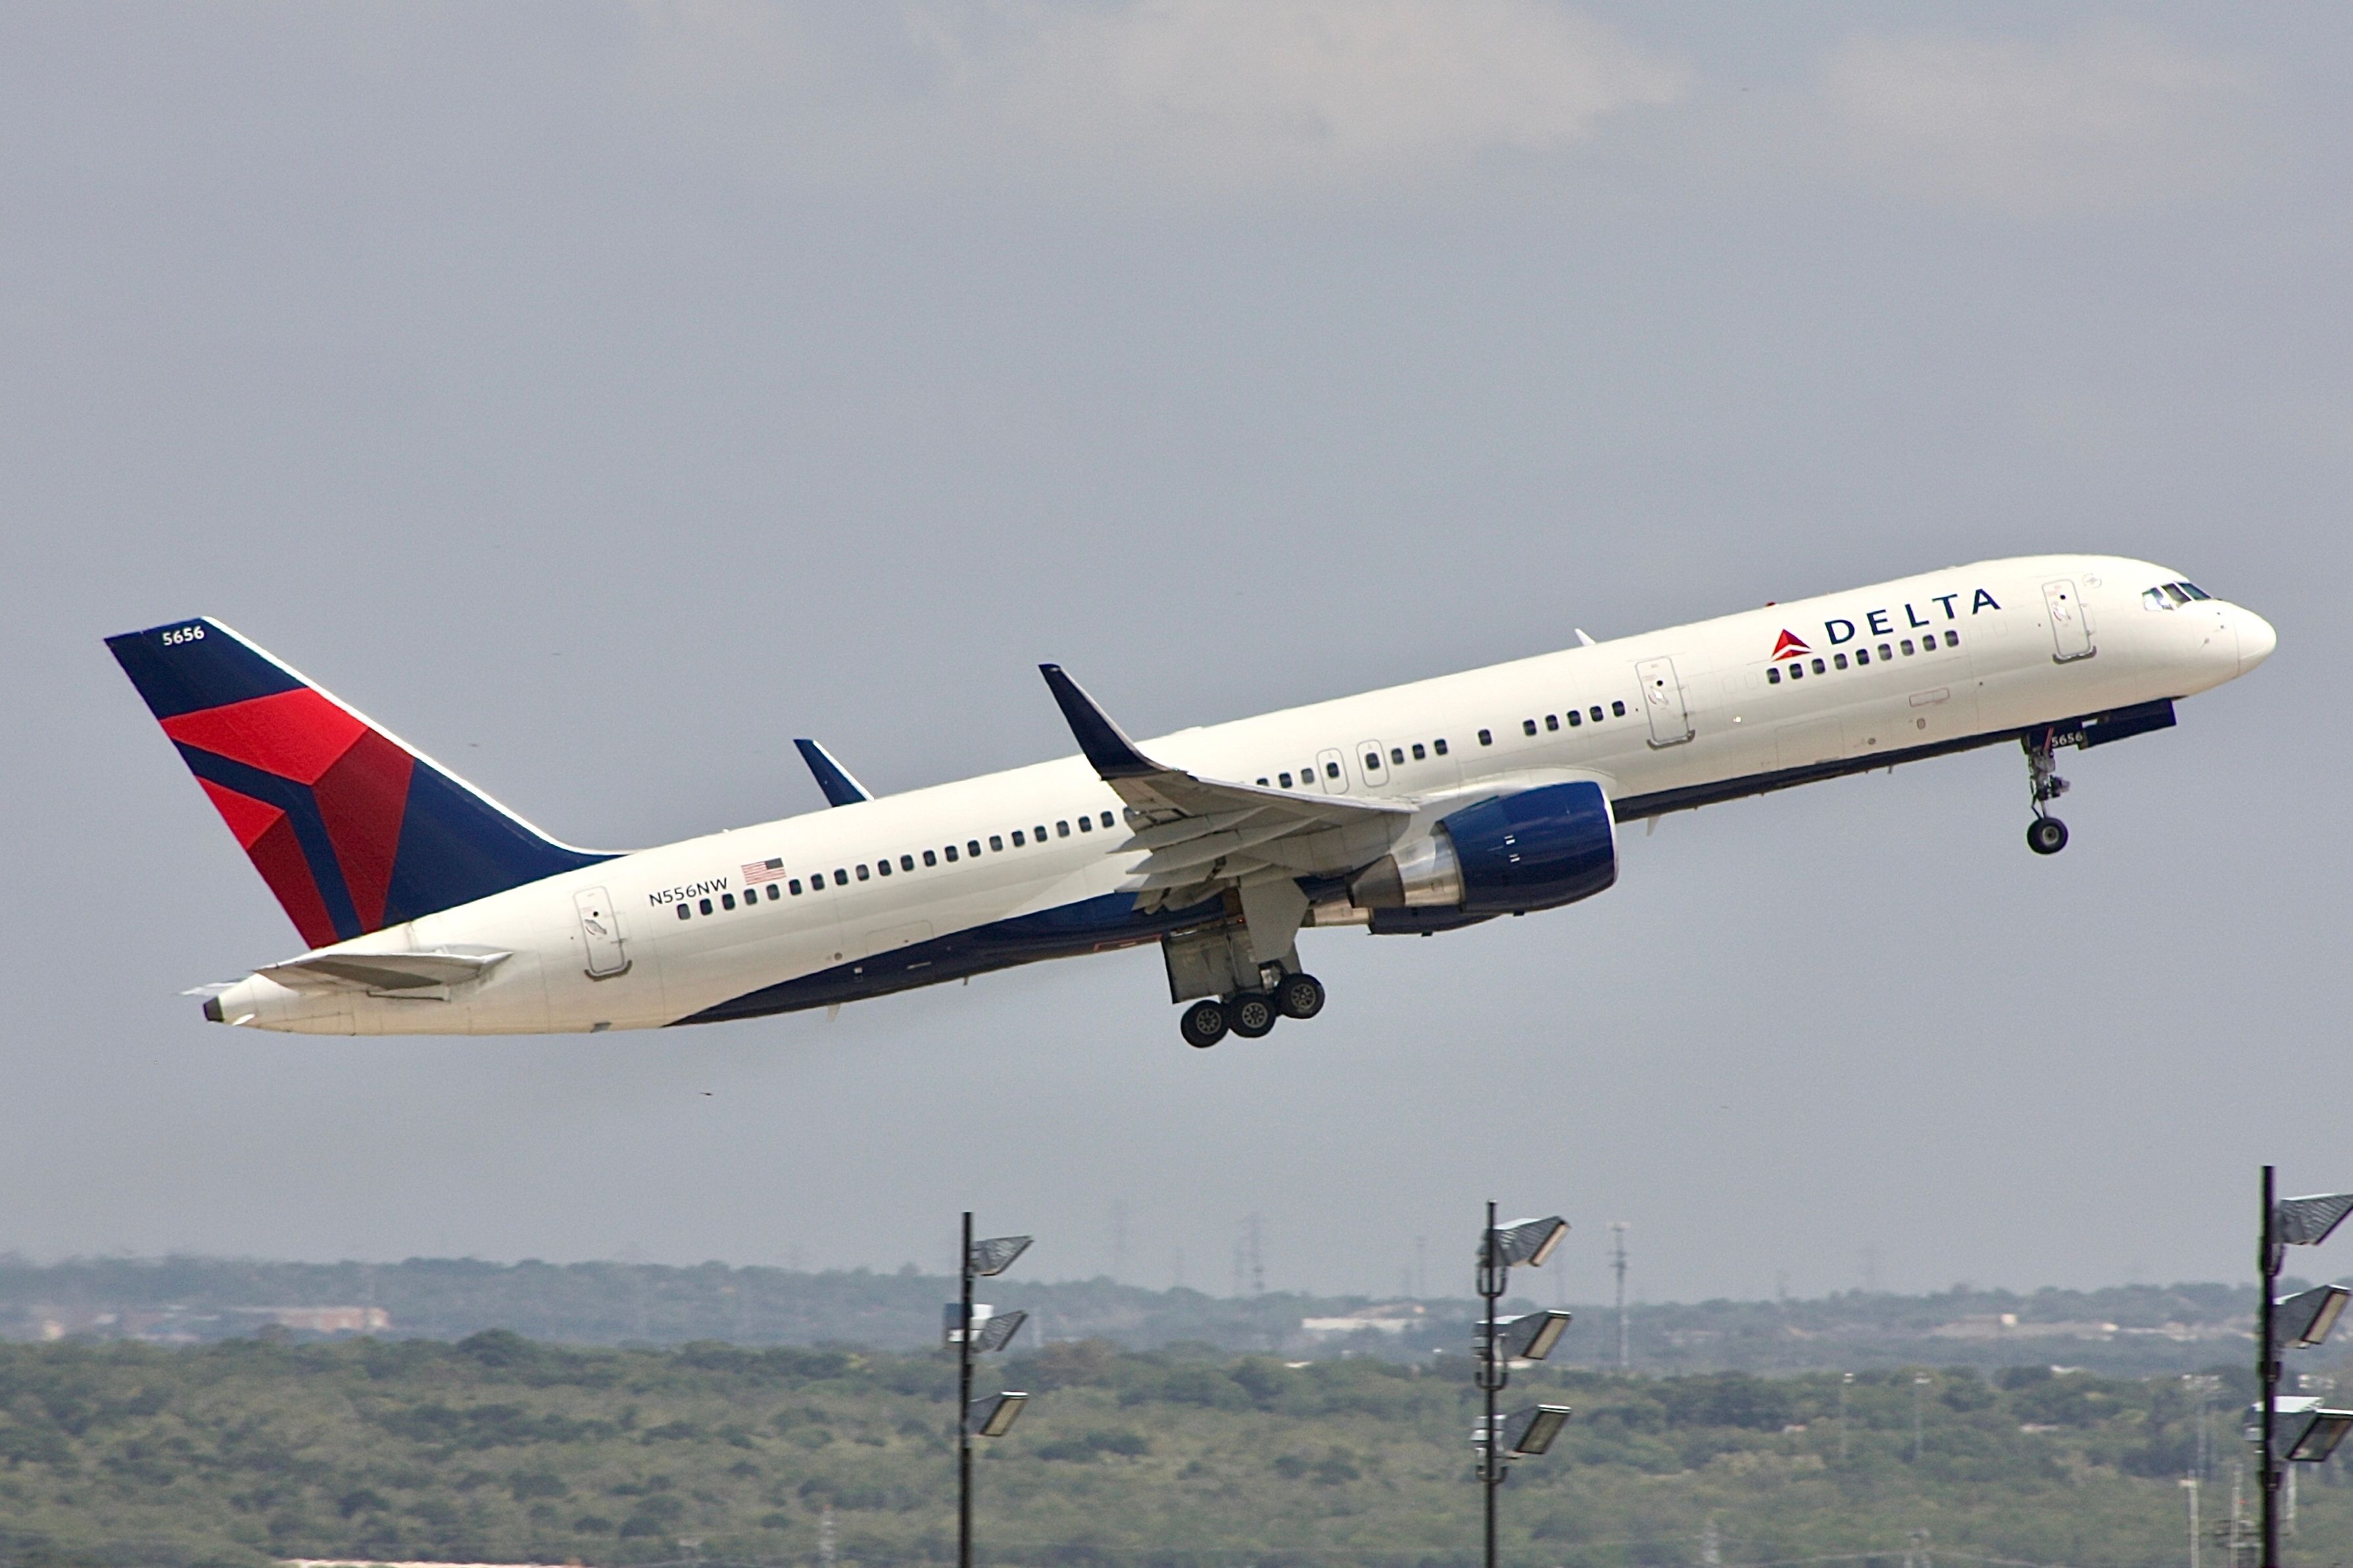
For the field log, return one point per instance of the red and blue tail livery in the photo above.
(351, 829)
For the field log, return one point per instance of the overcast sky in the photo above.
(602, 395)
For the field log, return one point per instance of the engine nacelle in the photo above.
(1535, 850)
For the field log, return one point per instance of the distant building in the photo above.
(1383, 1318)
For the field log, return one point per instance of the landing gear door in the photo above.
(1662, 700)
(600, 934)
(2071, 634)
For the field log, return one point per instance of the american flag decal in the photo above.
(763, 871)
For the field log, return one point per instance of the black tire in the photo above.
(1204, 1024)
(1300, 997)
(1253, 1014)
(2046, 835)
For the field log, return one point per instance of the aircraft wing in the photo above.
(834, 779)
(382, 971)
(1206, 834)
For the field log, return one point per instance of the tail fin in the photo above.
(351, 829)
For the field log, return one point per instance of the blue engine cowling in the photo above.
(1535, 850)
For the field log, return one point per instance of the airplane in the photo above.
(428, 908)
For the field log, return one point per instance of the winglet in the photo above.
(840, 788)
(1115, 756)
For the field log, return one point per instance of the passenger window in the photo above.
(1062, 829)
(1397, 755)
(1439, 746)
(684, 913)
(883, 865)
(1486, 737)
(773, 893)
(997, 842)
(861, 872)
(906, 862)
(1018, 840)
(1596, 711)
(1907, 646)
(1862, 656)
(794, 887)
(1372, 762)
(704, 904)
(1038, 833)
(1106, 820)
(951, 852)
(1087, 823)
(931, 858)
(1330, 770)
(1820, 668)
(726, 900)
(971, 848)
(1885, 653)
(841, 878)
(1952, 639)
(1286, 780)
(1772, 675)
(1552, 721)
(1838, 659)
(1574, 719)
(1418, 751)
(1528, 726)
(1797, 668)
(1619, 709)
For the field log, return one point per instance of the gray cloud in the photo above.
(2109, 119)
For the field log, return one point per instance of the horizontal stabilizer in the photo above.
(382, 970)
(834, 779)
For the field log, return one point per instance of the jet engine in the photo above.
(1535, 850)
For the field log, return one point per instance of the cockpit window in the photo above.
(2172, 594)
(2174, 590)
(2193, 590)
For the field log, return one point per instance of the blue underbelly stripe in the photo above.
(1091, 925)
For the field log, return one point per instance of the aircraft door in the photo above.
(1332, 768)
(1662, 700)
(600, 934)
(1376, 770)
(2071, 634)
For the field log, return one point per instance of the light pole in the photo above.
(992, 1415)
(1502, 1341)
(2309, 1315)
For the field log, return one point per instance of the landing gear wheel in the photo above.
(2046, 835)
(1204, 1024)
(1253, 1014)
(1300, 997)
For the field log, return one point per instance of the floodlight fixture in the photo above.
(2306, 1222)
(993, 1415)
(1529, 1432)
(998, 1331)
(1529, 1241)
(2305, 1318)
(994, 1256)
(1531, 1336)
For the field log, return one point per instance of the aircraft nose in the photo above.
(2256, 639)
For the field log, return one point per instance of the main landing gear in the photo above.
(2046, 834)
(1253, 1014)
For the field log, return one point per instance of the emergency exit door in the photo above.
(1662, 700)
(2071, 634)
(600, 934)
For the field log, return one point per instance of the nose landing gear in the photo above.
(2046, 834)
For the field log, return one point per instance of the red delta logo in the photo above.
(1791, 645)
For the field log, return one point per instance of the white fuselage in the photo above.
(1969, 652)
